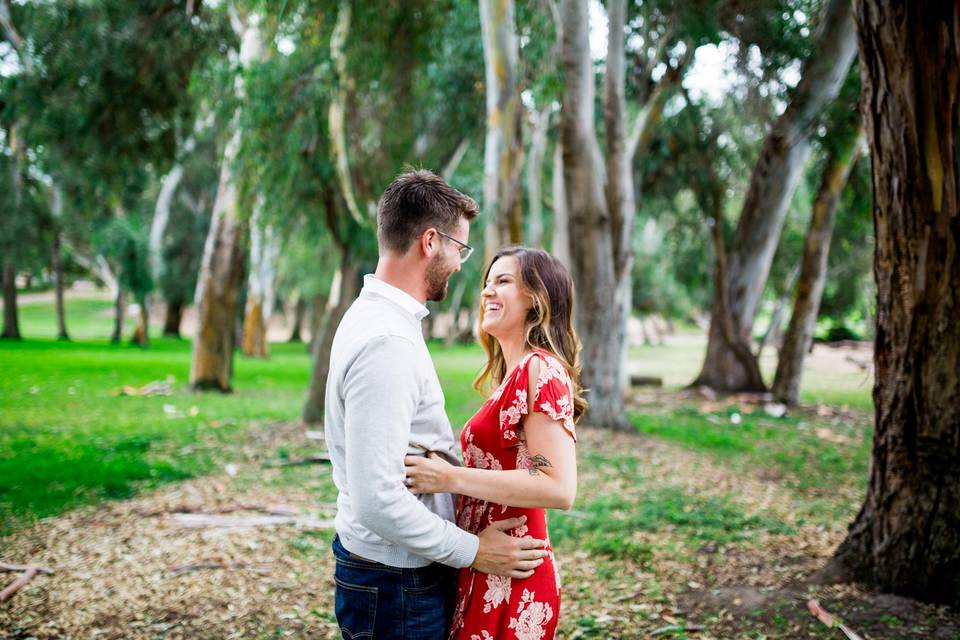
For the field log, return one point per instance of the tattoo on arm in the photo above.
(533, 464)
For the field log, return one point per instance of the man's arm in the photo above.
(381, 393)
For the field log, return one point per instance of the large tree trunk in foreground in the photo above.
(503, 151)
(345, 290)
(11, 321)
(774, 180)
(813, 270)
(221, 271)
(172, 319)
(906, 538)
(593, 270)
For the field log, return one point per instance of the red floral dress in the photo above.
(492, 607)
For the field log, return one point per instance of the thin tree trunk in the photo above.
(299, 312)
(503, 150)
(774, 180)
(221, 270)
(813, 271)
(906, 538)
(141, 334)
(456, 304)
(56, 260)
(119, 314)
(538, 149)
(593, 271)
(172, 319)
(560, 244)
(11, 320)
(341, 297)
(264, 251)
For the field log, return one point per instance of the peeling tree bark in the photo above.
(772, 185)
(264, 251)
(503, 151)
(906, 538)
(813, 270)
(595, 274)
(221, 271)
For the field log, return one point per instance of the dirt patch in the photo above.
(120, 567)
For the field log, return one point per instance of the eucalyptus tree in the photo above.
(101, 104)
(503, 149)
(843, 141)
(599, 189)
(729, 364)
(906, 537)
(222, 266)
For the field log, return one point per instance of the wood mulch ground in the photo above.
(130, 570)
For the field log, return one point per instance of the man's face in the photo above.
(446, 262)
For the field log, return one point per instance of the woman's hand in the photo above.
(430, 474)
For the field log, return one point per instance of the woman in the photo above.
(519, 448)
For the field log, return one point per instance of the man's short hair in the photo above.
(415, 202)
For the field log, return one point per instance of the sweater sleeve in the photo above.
(381, 394)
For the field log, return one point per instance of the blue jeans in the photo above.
(376, 601)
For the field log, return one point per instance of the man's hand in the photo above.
(504, 555)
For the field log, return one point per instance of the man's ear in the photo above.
(428, 243)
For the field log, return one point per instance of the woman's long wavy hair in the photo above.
(549, 325)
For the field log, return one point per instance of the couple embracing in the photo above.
(427, 547)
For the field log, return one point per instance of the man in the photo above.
(397, 553)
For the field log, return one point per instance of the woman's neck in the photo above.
(513, 348)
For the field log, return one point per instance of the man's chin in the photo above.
(438, 296)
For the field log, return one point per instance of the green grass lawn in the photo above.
(67, 439)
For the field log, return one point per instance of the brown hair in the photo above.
(549, 325)
(416, 201)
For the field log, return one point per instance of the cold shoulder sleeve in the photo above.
(553, 397)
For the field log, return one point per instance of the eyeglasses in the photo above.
(465, 250)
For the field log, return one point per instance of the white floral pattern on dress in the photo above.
(498, 592)
(474, 456)
(532, 618)
(485, 636)
(511, 415)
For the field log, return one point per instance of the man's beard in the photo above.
(437, 279)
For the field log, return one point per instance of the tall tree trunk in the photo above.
(772, 185)
(345, 290)
(11, 320)
(503, 151)
(813, 270)
(560, 243)
(221, 270)
(172, 319)
(598, 306)
(906, 538)
(56, 260)
(56, 265)
(264, 251)
(119, 315)
(299, 312)
(538, 149)
(141, 333)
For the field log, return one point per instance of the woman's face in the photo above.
(505, 305)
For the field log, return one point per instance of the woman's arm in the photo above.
(549, 479)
